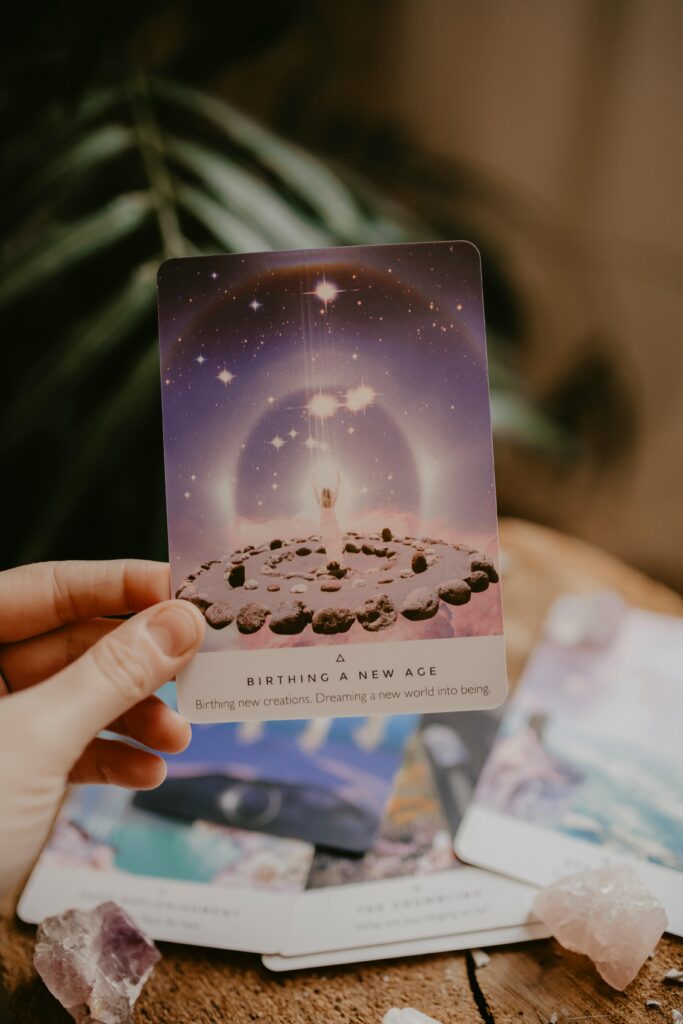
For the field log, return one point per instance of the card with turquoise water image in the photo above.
(184, 881)
(587, 768)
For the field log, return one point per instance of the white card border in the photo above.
(343, 916)
(471, 661)
(538, 855)
(416, 947)
(245, 920)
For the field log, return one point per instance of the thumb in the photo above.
(123, 668)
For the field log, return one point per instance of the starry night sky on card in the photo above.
(361, 368)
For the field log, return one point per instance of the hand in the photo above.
(69, 673)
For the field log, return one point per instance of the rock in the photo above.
(455, 592)
(303, 551)
(387, 535)
(276, 543)
(236, 575)
(331, 586)
(333, 620)
(420, 604)
(407, 1015)
(251, 617)
(251, 585)
(482, 564)
(381, 552)
(368, 549)
(359, 582)
(289, 618)
(298, 588)
(406, 574)
(320, 551)
(202, 601)
(386, 579)
(337, 570)
(418, 562)
(607, 914)
(272, 587)
(219, 615)
(377, 613)
(477, 581)
(95, 962)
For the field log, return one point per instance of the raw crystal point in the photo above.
(608, 914)
(95, 962)
(407, 1015)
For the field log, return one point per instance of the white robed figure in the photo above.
(326, 486)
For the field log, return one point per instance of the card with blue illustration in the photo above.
(325, 781)
(329, 480)
(588, 765)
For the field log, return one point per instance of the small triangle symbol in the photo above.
(340, 657)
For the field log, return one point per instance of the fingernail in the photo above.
(174, 630)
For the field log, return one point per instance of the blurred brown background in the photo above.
(547, 133)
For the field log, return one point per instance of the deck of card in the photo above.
(329, 481)
(329, 841)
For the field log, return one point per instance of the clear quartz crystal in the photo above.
(584, 620)
(407, 1015)
(607, 914)
(95, 962)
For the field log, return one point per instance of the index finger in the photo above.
(41, 597)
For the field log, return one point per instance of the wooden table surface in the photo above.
(524, 983)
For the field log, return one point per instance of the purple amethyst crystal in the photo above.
(95, 962)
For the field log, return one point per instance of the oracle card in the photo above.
(325, 780)
(329, 479)
(408, 888)
(194, 882)
(416, 947)
(588, 766)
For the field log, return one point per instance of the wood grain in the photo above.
(525, 983)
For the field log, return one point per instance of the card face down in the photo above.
(587, 769)
(329, 474)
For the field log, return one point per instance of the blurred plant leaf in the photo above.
(306, 176)
(63, 245)
(514, 418)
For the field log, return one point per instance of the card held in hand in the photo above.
(329, 476)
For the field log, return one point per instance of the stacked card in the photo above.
(242, 847)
